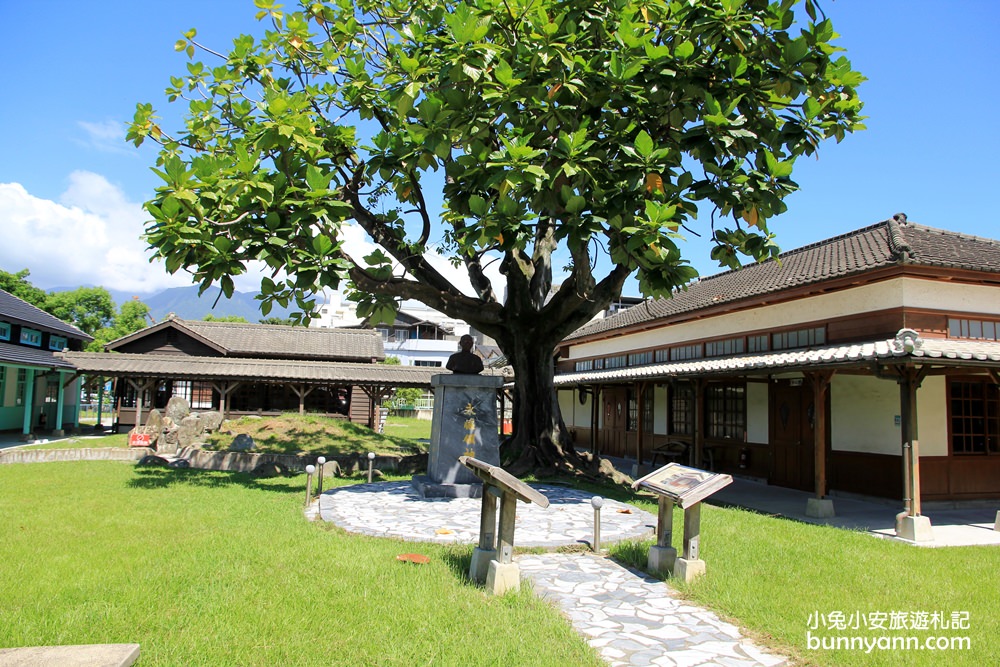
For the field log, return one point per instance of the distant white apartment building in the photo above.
(419, 336)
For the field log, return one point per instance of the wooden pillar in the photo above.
(640, 425)
(820, 382)
(505, 535)
(665, 522)
(140, 389)
(699, 420)
(488, 519)
(60, 403)
(301, 391)
(224, 388)
(29, 397)
(692, 531)
(100, 401)
(595, 416)
(910, 380)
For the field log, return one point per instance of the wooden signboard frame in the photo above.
(684, 485)
(687, 487)
(497, 483)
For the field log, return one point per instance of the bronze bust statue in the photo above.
(465, 361)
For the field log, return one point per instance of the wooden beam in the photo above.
(640, 426)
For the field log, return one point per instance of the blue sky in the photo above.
(71, 189)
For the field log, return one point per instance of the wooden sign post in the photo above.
(686, 487)
(493, 560)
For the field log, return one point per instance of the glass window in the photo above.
(21, 387)
(757, 343)
(719, 348)
(800, 338)
(31, 337)
(681, 409)
(640, 358)
(424, 362)
(3, 386)
(725, 411)
(4, 331)
(58, 343)
(584, 365)
(619, 361)
(974, 417)
(647, 411)
(978, 329)
(683, 352)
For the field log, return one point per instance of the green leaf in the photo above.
(222, 243)
(643, 144)
(684, 50)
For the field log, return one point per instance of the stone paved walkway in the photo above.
(393, 509)
(633, 619)
(630, 618)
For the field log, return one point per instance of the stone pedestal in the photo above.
(661, 559)
(464, 424)
(820, 508)
(479, 569)
(503, 577)
(914, 528)
(689, 569)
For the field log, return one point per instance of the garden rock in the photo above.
(170, 436)
(189, 432)
(154, 424)
(211, 421)
(178, 408)
(242, 443)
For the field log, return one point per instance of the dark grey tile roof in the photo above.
(20, 355)
(276, 341)
(286, 341)
(230, 368)
(19, 311)
(888, 243)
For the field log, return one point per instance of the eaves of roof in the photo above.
(943, 352)
(28, 357)
(245, 369)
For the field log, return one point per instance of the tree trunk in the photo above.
(540, 440)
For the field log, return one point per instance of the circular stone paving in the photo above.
(393, 509)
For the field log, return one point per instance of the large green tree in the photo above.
(552, 131)
(19, 285)
(89, 308)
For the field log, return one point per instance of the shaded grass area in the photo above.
(312, 434)
(210, 568)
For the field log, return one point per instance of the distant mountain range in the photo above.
(185, 303)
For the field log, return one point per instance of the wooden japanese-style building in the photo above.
(241, 368)
(867, 363)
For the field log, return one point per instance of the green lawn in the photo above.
(219, 568)
(208, 568)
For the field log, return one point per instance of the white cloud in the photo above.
(89, 237)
